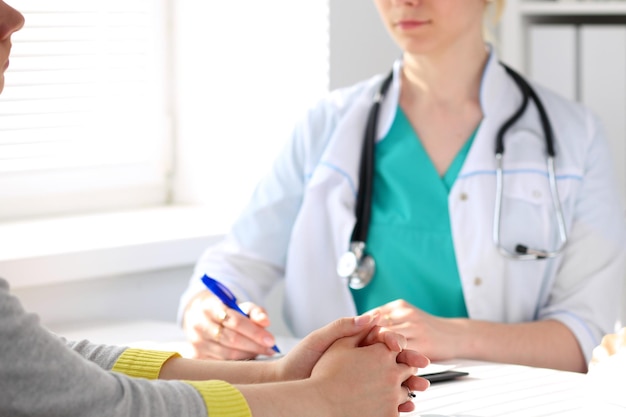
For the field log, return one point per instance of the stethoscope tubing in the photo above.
(362, 265)
(367, 166)
(523, 253)
(530, 254)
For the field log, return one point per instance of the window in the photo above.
(83, 120)
(113, 104)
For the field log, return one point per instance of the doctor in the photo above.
(448, 231)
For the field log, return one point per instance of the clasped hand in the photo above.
(358, 365)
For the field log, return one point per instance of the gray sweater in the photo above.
(44, 375)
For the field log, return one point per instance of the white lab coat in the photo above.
(300, 218)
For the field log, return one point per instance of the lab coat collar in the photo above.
(499, 99)
(390, 104)
(494, 84)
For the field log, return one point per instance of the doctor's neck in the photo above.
(450, 76)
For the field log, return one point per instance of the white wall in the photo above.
(240, 87)
(359, 43)
(145, 296)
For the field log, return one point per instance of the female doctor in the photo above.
(521, 264)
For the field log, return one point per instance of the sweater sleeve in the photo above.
(220, 398)
(41, 376)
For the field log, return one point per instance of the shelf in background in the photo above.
(572, 8)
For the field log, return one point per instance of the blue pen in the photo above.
(226, 296)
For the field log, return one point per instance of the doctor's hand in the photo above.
(218, 332)
(435, 337)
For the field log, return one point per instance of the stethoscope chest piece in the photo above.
(356, 267)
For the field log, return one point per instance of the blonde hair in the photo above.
(493, 13)
(495, 9)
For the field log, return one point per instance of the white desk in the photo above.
(489, 390)
(509, 390)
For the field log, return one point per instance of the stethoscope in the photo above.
(358, 267)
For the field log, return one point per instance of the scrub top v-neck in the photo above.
(410, 236)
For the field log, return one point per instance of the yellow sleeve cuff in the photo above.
(222, 399)
(141, 363)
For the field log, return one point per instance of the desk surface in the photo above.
(493, 389)
(490, 389)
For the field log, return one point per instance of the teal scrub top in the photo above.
(410, 236)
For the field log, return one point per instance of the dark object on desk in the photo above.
(444, 376)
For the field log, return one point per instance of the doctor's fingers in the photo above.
(256, 313)
(225, 341)
(242, 329)
(214, 341)
(395, 312)
(217, 335)
(253, 328)
(398, 311)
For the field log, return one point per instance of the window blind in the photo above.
(92, 89)
(83, 119)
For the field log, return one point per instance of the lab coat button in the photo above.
(463, 197)
(478, 281)
(537, 194)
